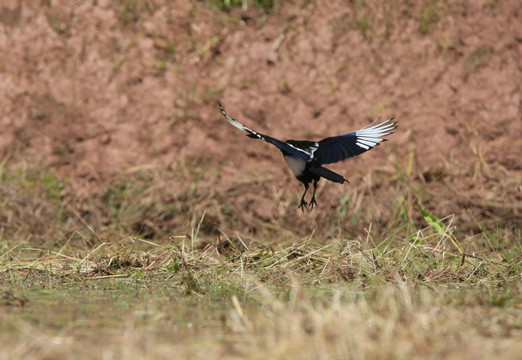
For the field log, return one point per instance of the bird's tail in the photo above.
(328, 174)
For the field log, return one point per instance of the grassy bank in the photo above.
(70, 288)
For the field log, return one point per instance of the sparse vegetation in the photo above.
(475, 60)
(384, 288)
(427, 19)
(364, 24)
(266, 5)
(59, 23)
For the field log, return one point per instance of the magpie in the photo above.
(305, 158)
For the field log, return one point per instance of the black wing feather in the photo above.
(300, 154)
(338, 148)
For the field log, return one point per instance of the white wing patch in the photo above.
(371, 135)
(312, 150)
(308, 150)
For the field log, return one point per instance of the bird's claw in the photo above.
(306, 205)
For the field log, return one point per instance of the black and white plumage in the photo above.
(305, 158)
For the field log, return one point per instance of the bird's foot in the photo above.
(303, 205)
(312, 203)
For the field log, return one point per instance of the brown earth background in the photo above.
(118, 98)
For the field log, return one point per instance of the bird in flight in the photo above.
(305, 158)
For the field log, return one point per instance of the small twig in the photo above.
(475, 269)
(11, 249)
(483, 260)
(372, 259)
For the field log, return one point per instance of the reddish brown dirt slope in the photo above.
(101, 90)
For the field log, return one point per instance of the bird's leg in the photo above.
(303, 202)
(313, 202)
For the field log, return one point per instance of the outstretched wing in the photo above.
(292, 150)
(337, 148)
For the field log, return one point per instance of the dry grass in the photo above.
(143, 271)
(299, 300)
